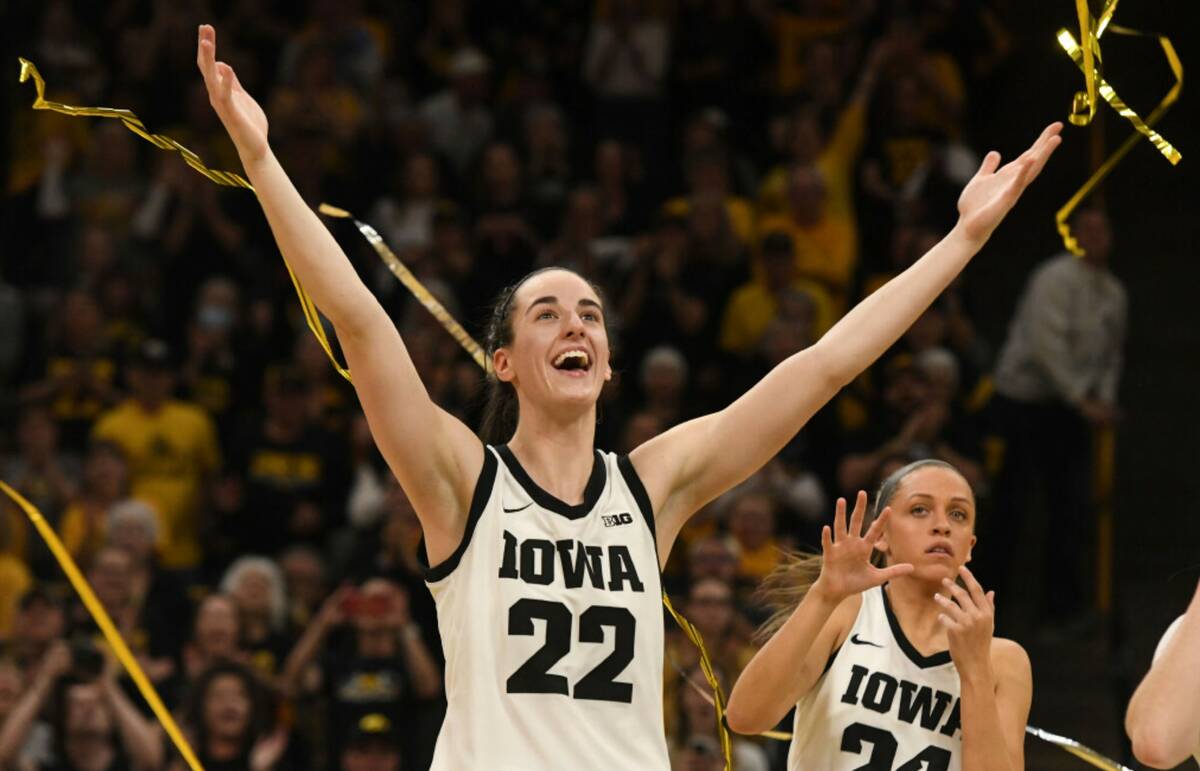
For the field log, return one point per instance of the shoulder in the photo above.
(1167, 636)
(186, 412)
(1010, 662)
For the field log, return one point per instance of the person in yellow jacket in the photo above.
(172, 450)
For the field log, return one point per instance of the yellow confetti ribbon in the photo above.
(107, 628)
(1083, 109)
(226, 178)
(423, 295)
(718, 694)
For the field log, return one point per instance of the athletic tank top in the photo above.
(880, 705)
(552, 624)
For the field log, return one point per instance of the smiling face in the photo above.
(932, 524)
(558, 354)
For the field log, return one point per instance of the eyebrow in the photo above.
(955, 499)
(552, 300)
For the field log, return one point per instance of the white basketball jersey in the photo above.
(880, 705)
(552, 624)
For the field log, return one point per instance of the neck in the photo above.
(255, 627)
(223, 748)
(912, 602)
(150, 405)
(558, 455)
(89, 753)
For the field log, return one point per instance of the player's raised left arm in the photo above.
(693, 463)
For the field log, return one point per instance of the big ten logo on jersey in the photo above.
(612, 520)
(917, 705)
(598, 628)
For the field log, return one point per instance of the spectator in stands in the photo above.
(216, 636)
(373, 745)
(256, 585)
(778, 289)
(47, 475)
(95, 726)
(39, 622)
(172, 451)
(231, 725)
(105, 484)
(76, 373)
(290, 474)
(1056, 385)
(696, 744)
(752, 517)
(914, 423)
(458, 119)
(385, 665)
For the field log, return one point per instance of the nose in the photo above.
(941, 524)
(574, 325)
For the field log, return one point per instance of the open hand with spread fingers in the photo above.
(994, 189)
(242, 117)
(969, 615)
(846, 567)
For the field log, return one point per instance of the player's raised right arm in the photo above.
(435, 457)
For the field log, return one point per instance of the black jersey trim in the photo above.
(924, 662)
(634, 483)
(591, 493)
(483, 491)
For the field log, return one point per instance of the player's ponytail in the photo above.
(785, 586)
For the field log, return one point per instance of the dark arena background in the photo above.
(735, 175)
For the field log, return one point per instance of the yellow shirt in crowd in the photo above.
(170, 453)
(836, 163)
(14, 582)
(753, 307)
(826, 252)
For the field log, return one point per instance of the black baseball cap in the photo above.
(374, 729)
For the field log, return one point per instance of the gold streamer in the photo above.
(107, 628)
(1084, 753)
(718, 695)
(226, 178)
(423, 295)
(1087, 58)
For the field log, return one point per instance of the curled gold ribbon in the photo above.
(225, 178)
(406, 277)
(107, 628)
(1083, 110)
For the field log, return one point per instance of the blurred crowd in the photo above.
(734, 175)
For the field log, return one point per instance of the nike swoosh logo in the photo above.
(513, 511)
(854, 638)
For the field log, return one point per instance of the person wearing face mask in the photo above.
(884, 643)
(541, 548)
(209, 376)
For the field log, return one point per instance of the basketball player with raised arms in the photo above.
(884, 644)
(545, 553)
